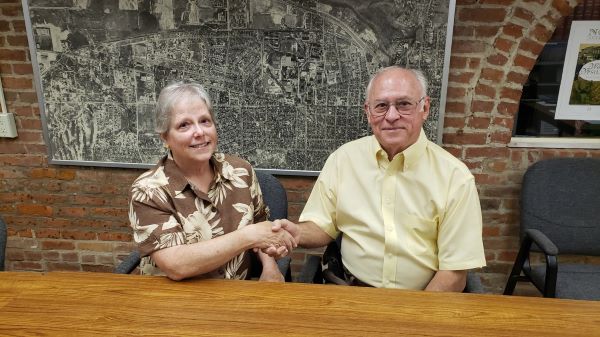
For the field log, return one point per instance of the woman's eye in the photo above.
(183, 125)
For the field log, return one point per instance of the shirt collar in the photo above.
(178, 182)
(407, 157)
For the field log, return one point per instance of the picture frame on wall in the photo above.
(286, 78)
(579, 93)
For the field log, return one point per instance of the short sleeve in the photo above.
(320, 207)
(261, 210)
(154, 225)
(460, 241)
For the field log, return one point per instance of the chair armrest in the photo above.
(129, 264)
(542, 241)
(311, 271)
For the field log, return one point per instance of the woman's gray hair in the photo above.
(418, 74)
(173, 93)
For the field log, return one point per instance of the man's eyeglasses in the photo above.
(404, 107)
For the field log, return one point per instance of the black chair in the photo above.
(274, 196)
(560, 213)
(330, 269)
(3, 235)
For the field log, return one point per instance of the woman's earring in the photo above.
(166, 145)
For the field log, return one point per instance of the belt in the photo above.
(354, 281)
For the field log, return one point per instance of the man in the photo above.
(408, 210)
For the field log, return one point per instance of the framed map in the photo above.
(286, 77)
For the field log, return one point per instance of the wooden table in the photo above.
(83, 304)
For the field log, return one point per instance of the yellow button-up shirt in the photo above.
(403, 219)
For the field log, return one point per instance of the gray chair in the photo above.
(275, 198)
(560, 213)
(3, 235)
(329, 269)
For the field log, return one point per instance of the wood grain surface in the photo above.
(102, 304)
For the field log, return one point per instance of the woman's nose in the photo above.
(198, 130)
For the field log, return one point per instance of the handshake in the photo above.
(277, 238)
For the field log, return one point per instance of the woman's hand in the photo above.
(270, 270)
(262, 237)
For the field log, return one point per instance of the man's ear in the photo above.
(366, 110)
(426, 106)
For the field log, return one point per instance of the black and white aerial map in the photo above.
(286, 77)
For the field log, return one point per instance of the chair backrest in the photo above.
(274, 195)
(2, 243)
(561, 198)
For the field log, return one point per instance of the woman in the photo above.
(198, 212)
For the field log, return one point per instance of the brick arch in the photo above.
(495, 46)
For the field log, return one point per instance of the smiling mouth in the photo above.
(199, 146)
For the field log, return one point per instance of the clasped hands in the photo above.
(279, 238)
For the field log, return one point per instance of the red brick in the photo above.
(468, 47)
(97, 268)
(43, 173)
(482, 106)
(562, 6)
(531, 46)
(503, 122)
(65, 174)
(95, 246)
(30, 136)
(485, 90)
(126, 237)
(458, 62)
(517, 78)
(50, 255)
(513, 30)
(57, 245)
(541, 33)
(510, 93)
(22, 69)
(69, 257)
(34, 209)
(497, 2)
(486, 31)
(479, 123)
(501, 137)
(508, 108)
(524, 14)
(486, 15)
(297, 183)
(465, 138)
(47, 233)
(473, 63)
(454, 122)
(487, 152)
(17, 40)
(492, 74)
(504, 44)
(27, 265)
(72, 211)
(497, 59)
(16, 82)
(453, 92)
(455, 107)
(463, 31)
(77, 235)
(460, 77)
(63, 266)
(496, 165)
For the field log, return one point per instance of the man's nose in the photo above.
(392, 113)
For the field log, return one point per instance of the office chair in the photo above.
(329, 269)
(3, 235)
(275, 198)
(560, 212)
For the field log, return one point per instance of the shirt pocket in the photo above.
(420, 233)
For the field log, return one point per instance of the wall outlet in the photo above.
(8, 128)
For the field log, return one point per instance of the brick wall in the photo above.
(75, 218)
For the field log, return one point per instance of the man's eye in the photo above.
(381, 106)
(404, 104)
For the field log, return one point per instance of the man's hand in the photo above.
(292, 229)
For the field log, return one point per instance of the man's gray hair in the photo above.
(173, 93)
(418, 74)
